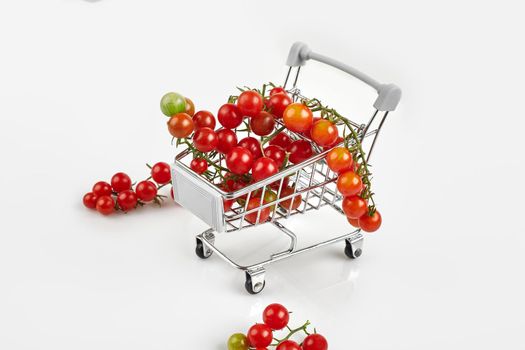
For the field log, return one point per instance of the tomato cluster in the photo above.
(119, 194)
(261, 335)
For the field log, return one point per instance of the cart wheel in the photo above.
(251, 288)
(351, 253)
(201, 250)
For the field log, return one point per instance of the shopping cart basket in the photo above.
(313, 181)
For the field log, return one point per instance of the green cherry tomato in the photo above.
(238, 341)
(172, 103)
(269, 197)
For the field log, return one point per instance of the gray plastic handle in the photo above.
(389, 95)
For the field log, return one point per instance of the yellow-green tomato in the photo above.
(269, 197)
(238, 341)
(172, 103)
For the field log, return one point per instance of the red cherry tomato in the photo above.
(204, 119)
(264, 167)
(229, 116)
(127, 200)
(253, 145)
(199, 165)
(354, 207)
(277, 90)
(300, 151)
(205, 139)
(120, 182)
(277, 153)
(101, 188)
(276, 316)
(90, 200)
(190, 107)
(262, 124)
(291, 203)
(370, 223)
(282, 140)
(180, 125)
(275, 185)
(337, 142)
(324, 133)
(226, 140)
(239, 160)
(315, 342)
(252, 217)
(288, 345)
(298, 117)
(161, 173)
(349, 183)
(353, 222)
(260, 335)
(227, 203)
(277, 103)
(250, 103)
(339, 159)
(105, 205)
(146, 191)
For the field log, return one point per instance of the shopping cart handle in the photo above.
(388, 94)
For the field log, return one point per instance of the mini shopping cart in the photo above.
(313, 181)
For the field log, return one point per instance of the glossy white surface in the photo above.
(80, 83)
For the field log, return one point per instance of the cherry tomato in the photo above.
(172, 103)
(204, 119)
(298, 117)
(226, 140)
(339, 159)
(288, 345)
(354, 206)
(252, 217)
(349, 183)
(282, 140)
(190, 107)
(300, 151)
(90, 200)
(161, 173)
(172, 194)
(105, 205)
(369, 223)
(277, 104)
(146, 191)
(260, 336)
(239, 160)
(277, 153)
(276, 316)
(315, 342)
(227, 204)
(205, 139)
(199, 165)
(229, 116)
(262, 124)
(277, 90)
(250, 103)
(291, 203)
(238, 341)
(180, 125)
(264, 167)
(127, 200)
(101, 188)
(120, 182)
(353, 222)
(324, 133)
(269, 197)
(337, 142)
(275, 185)
(253, 145)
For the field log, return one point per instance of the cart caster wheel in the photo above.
(201, 251)
(251, 287)
(351, 252)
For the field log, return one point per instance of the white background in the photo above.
(80, 83)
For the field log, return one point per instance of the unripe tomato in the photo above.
(90, 200)
(277, 153)
(276, 316)
(264, 167)
(238, 341)
(315, 342)
(229, 116)
(204, 119)
(260, 335)
(127, 200)
(253, 145)
(370, 223)
(239, 160)
(252, 217)
(298, 117)
(190, 107)
(291, 203)
(282, 140)
(205, 139)
(354, 207)
(172, 103)
(300, 150)
(105, 205)
(324, 133)
(339, 159)
(180, 125)
(262, 124)
(250, 103)
(227, 140)
(277, 104)
(146, 191)
(199, 165)
(349, 183)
